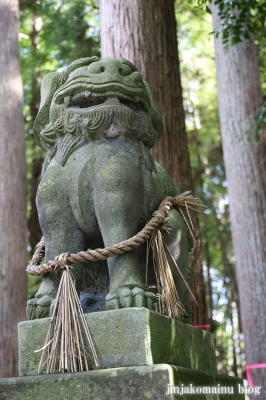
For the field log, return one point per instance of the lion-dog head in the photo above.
(93, 98)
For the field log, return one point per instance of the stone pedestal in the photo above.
(126, 338)
(133, 383)
(143, 355)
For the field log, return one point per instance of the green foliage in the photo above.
(239, 19)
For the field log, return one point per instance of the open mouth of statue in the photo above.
(82, 100)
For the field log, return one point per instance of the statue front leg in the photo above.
(118, 191)
(61, 235)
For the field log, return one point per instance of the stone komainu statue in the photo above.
(100, 185)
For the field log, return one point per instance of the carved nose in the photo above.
(110, 69)
(116, 70)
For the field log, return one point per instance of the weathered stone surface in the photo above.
(134, 383)
(100, 185)
(129, 337)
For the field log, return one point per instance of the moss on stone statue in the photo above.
(156, 382)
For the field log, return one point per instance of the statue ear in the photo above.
(129, 64)
(49, 86)
(156, 118)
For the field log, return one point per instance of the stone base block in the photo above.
(156, 382)
(128, 337)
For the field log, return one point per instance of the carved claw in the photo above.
(31, 308)
(40, 308)
(125, 298)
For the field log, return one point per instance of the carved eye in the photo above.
(124, 70)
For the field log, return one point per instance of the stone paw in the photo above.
(125, 297)
(31, 308)
(40, 308)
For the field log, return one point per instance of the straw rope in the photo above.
(64, 347)
(184, 201)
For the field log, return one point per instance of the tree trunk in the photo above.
(13, 246)
(240, 98)
(145, 33)
(34, 229)
(35, 232)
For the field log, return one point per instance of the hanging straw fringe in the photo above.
(169, 302)
(64, 347)
(64, 344)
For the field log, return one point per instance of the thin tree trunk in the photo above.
(145, 34)
(208, 265)
(35, 232)
(36, 78)
(240, 98)
(34, 228)
(229, 268)
(13, 246)
(229, 306)
(205, 222)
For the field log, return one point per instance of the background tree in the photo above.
(145, 34)
(244, 146)
(13, 247)
(205, 149)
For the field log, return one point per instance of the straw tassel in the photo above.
(64, 347)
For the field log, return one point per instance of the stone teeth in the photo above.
(87, 93)
(76, 95)
(66, 100)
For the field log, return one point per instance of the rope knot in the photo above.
(62, 260)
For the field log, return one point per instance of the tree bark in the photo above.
(240, 98)
(145, 34)
(13, 228)
(35, 232)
